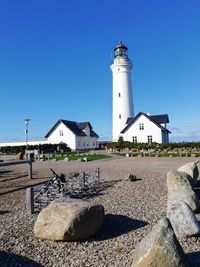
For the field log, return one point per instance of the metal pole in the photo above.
(98, 173)
(30, 200)
(26, 121)
(30, 169)
(83, 180)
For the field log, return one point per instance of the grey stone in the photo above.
(182, 219)
(69, 220)
(160, 248)
(179, 188)
(192, 170)
(19, 156)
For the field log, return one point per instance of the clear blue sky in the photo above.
(55, 57)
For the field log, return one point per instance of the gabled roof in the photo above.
(160, 118)
(148, 117)
(76, 127)
(128, 120)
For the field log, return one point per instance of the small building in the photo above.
(77, 135)
(146, 129)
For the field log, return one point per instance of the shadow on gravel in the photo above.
(4, 212)
(116, 225)
(194, 258)
(13, 178)
(20, 188)
(4, 171)
(14, 260)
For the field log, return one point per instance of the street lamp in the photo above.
(26, 121)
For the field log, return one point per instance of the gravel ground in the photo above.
(131, 209)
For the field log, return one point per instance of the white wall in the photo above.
(86, 142)
(73, 141)
(67, 138)
(23, 143)
(149, 129)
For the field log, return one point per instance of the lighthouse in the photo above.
(122, 108)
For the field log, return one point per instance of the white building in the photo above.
(146, 129)
(76, 135)
(142, 128)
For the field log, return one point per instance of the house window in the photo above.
(79, 143)
(149, 139)
(141, 126)
(60, 132)
(134, 139)
(94, 143)
(120, 116)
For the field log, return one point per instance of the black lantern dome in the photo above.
(120, 50)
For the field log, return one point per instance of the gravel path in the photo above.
(131, 209)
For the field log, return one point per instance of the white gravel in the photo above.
(131, 209)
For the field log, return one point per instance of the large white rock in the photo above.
(179, 188)
(191, 169)
(160, 248)
(182, 219)
(69, 220)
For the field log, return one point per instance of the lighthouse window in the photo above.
(141, 126)
(119, 95)
(120, 116)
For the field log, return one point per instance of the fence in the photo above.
(75, 185)
(18, 162)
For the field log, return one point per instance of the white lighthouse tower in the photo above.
(122, 90)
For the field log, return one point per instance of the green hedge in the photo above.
(45, 148)
(120, 145)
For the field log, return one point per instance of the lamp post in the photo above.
(26, 121)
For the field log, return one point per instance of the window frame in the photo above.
(149, 139)
(134, 139)
(61, 133)
(141, 126)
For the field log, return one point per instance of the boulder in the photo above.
(69, 220)
(131, 177)
(192, 170)
(182, 219)
(19, 156)
(160, 248)
(179, 188)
